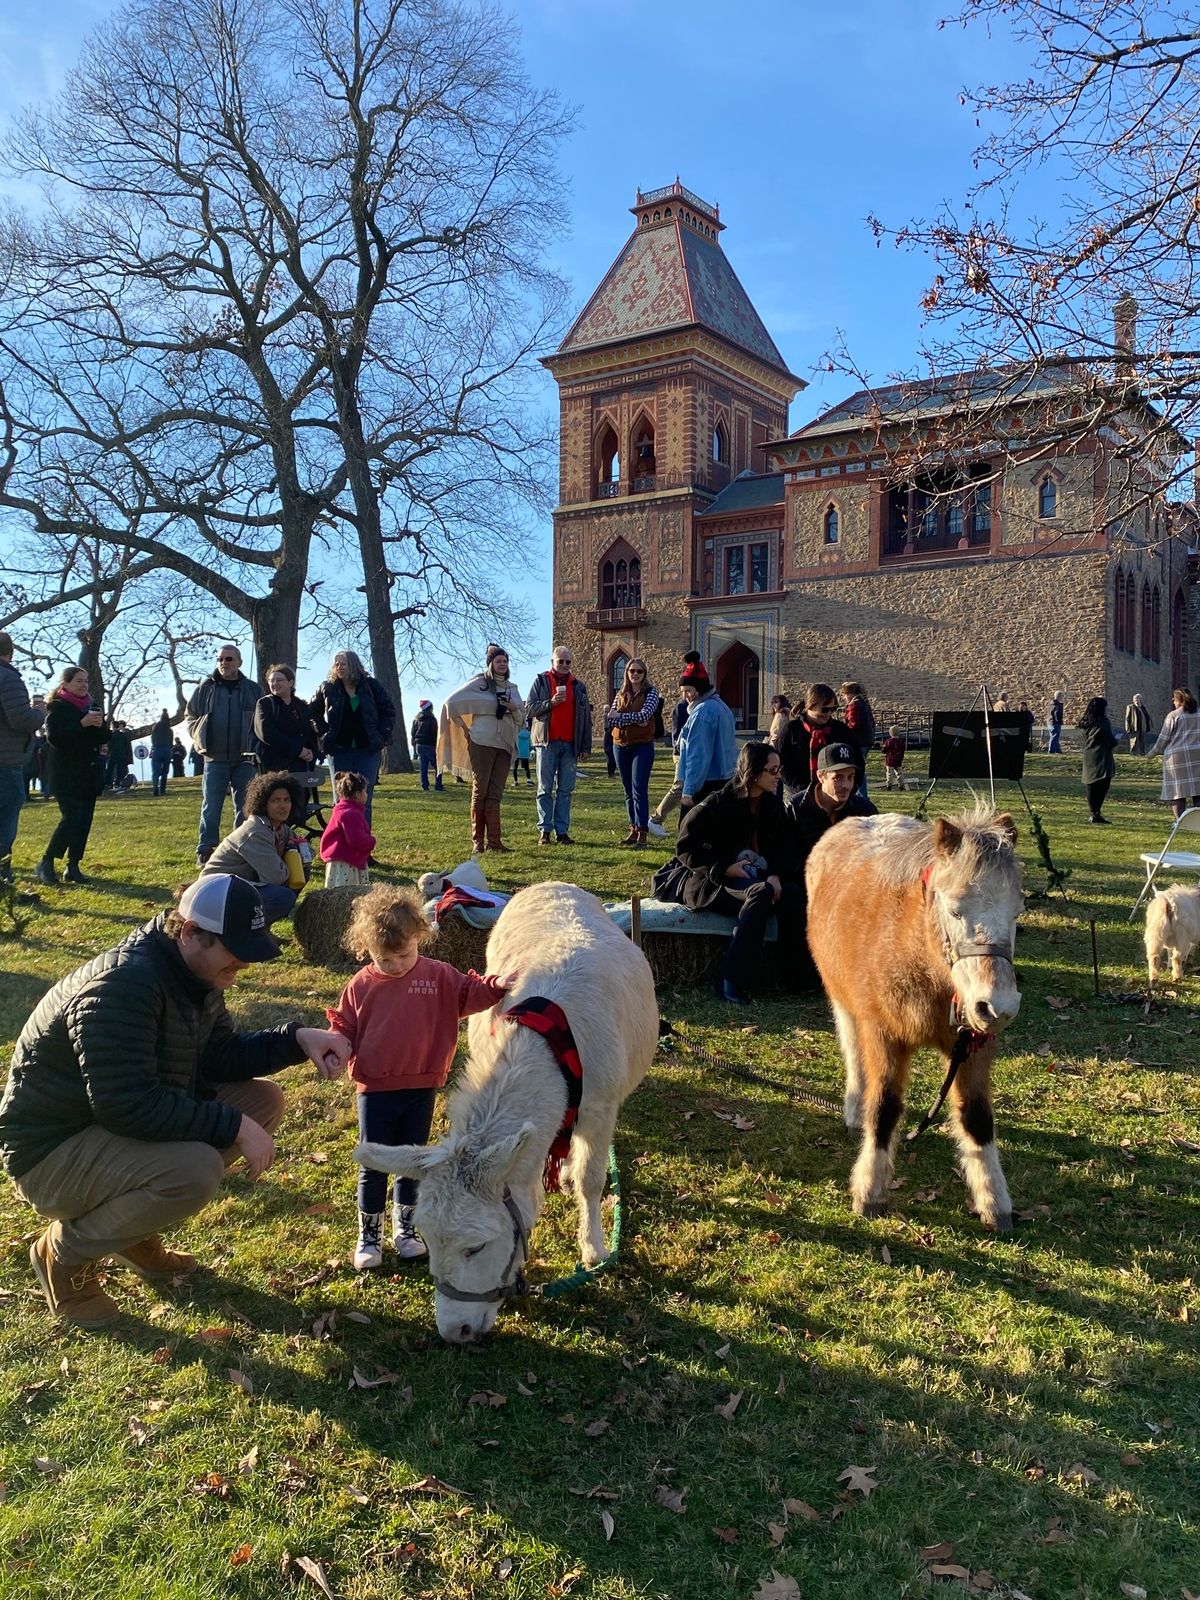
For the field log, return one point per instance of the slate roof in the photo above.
(749, 491)
(936, 396)
(670, 276)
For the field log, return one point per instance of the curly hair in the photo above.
(346, 784)
(386, 919)
(260, 789)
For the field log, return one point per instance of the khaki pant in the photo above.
(110, 1192)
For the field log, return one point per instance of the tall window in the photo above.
(1151, 621)
(644, 465)
(1131, 614)
(1047, 497)
(608, 464)
(1119, 635)
(831, 525)
(747, 568)
(620, 577)
(720, 443)
(616, 674)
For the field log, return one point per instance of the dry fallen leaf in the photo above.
(1078, 1473)
(504, 1570)
(937, 1552)
(240, 1381)
(49, 1466)
(434, 1487)
(801, 1508)
(728, 1535)
(777, 1587)
(138, 1431)
(595, 1429)
(357, 1316)
(1133, 1591)
(777, 1530)
(249, 1461)
(359, 1380)
(949, 1569)
(521, 1389)
(241, 1555)
(982, 1579)
(488, 1397)
(214, 1335)
(721, 1352)
(730, 1406)
(1132, 1459)
(859, 1478)
(314, 1570)
(607, 1523)
(885, 1255)
(671, 1499)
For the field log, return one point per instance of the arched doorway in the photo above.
(736, 678)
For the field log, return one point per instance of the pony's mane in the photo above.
(902, 848)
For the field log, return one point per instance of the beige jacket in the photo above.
(469, 717)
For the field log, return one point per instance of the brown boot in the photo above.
(630, 838)
(492, 815)
(152, 1259)
(478, 830)
(638, 842)
(72, 1292)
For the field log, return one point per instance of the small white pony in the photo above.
(1172, 928)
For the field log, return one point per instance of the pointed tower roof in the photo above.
(672, 274)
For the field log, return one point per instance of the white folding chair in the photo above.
(1177, 860)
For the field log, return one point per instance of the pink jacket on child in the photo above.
(347, 838)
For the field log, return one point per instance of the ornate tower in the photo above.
(669, 387)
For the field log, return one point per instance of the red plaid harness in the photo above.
(544, 1017)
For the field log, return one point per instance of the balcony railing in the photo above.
(972, 533)
(614, 617)
(608, 491)
(644, 484)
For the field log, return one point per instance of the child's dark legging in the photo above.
(1095, 794)
(521, 761)
(1181, 805)
(391, 1116)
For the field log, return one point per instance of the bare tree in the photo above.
(1098, 302)
(286, 289)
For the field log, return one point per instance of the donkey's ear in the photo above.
(946, 837)
(1007, 827)
(496, 1162)
(406, 1160)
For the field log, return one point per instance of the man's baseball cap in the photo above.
(233, 910)
(835, 758)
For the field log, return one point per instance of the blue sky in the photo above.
(799, 118)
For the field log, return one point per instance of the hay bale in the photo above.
(693, 961)
(320, 920)
(457, 942)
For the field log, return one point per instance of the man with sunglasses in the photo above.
(220, 716)
(560, 725)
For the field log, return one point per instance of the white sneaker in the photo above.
(656, 828)
(368, 1252)
(408, 1242)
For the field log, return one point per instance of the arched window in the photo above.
(644, 465)
(1147, 619)
(608, 463)
(830, 524)
(616, 674)
(1047, 497)
(1179, 640)
(720, 443)
(620, 575)
(1156, 624)
(1131, 614)
(1119, 611)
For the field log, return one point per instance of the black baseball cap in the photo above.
(233, 910)
(835, 758)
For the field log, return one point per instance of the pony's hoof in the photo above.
(1003, 1222)
(870, 1208)
(592, 1258)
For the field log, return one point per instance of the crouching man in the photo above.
(130, 1094)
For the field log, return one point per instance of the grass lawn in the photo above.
(1028, 1407)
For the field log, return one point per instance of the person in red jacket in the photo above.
(347, 842)
(401, 1016)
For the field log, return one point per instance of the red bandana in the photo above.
(544, 1017)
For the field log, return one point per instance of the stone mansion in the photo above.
(690, 518)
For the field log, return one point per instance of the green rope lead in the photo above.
(583, 1275)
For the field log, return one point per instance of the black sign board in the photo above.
(958, 745)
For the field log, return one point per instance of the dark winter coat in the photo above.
(331, 702)
(424, 728)
(540, 704)
(712, 836)
(811, 822)
(120, 747)
(281, 730)
(133, 1043)
(1098, 745)
(76, 771)
(797, 751)
(18, 719)
(162, 737)
(220, 714)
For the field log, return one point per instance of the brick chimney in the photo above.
(1124, 336)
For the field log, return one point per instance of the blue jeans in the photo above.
(12, 798)
(427, 756)
(391, 1116)
(633, 763)
(364, 761)
(160, 766)
(277, 900)
(1054, 748)
(556, 762)
(219, 778)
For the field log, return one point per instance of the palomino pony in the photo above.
(912, 927)
(481, 1188)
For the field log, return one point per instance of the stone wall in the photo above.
(853, 498)
(1017, 498)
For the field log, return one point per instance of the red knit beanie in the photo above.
(693, 675)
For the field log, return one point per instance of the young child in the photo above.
(401, 1016)
(347, 842)
(893, 748)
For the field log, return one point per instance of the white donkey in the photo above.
(481, 1187)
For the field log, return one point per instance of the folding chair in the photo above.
(1177, 860)
(313, 821)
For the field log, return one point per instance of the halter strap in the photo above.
(548, 1019)
(511, 1282)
